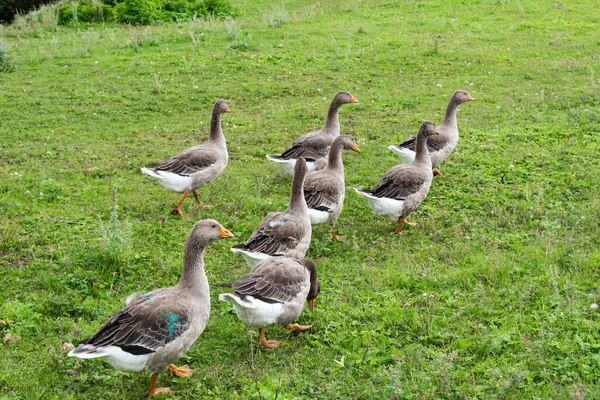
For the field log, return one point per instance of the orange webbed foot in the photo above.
(182, 372)
(296, 327)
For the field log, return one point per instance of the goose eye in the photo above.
(214, 226)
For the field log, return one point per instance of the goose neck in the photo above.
(297, 201)
(450, 117)
(332, 123)
(334, 161)
(421, 151)
(216, 133)
(193, 276)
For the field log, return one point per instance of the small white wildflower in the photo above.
(424, 294)
(594, 306)
(96, 62)
(590, 295)
(195, 86)
(439, 85)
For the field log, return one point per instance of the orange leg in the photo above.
(437, 172)
(198, 202)
(296, 327)
(182, 372)
(153, 391)
(177, 210)
(271, 344)
(401, 221)
(334, 236)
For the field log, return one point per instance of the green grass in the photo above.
(488, 297)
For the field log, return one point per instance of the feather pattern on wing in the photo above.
(277, 233)
(272, 283)
(400, 181)
(189, 161)
(147, 324)
(322, 191)
(434, 143)
(311, 146)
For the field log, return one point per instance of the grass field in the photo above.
(488, 297)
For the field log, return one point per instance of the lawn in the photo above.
(489, 297)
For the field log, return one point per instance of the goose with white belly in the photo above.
(281, 234)
(315, 145)
(439, 146)
(193, 168)
(156, 328)
(274, 294)
(324, 189)
(403, 187)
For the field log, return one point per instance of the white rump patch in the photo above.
(169, 180)
(406, 155)
(390, 208)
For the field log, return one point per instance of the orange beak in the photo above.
(469, 98)
(356, 149)
(228, 109)
(224, 233)
(353, 99)
(311, 304)
(436, 131)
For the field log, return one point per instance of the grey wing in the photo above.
(322, 191)
(409, 143)
(273, 281)
(311, 147)
(148, 323)
(277, 233)
(189, 161)
(400, 181)
(436, 143)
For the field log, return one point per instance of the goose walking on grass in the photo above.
(315, 145)
(440, 146)
(156, 328)
(324, 189)
(281, 234)
(403, 187)
(274, 294)
(193, 168)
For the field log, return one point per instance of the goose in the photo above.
(284, 233)
(193, 168)
(403, 187)
(274, 293)
(440, 146)
(315, 145)
(156, 328)
(324, 189)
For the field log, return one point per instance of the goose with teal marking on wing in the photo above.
(156, 328)
(315, 145)
(439, 146)
(274, 293)
(403, 187)
(193, 168)
(324, 189)
(281, 234)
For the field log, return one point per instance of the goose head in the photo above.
(460, 96)
(344, 97)
(348, 142)
(221, 107)
(315, 287)
(207, 231)
(427, 129)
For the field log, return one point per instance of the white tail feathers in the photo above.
(87, 351)
(406, 155)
